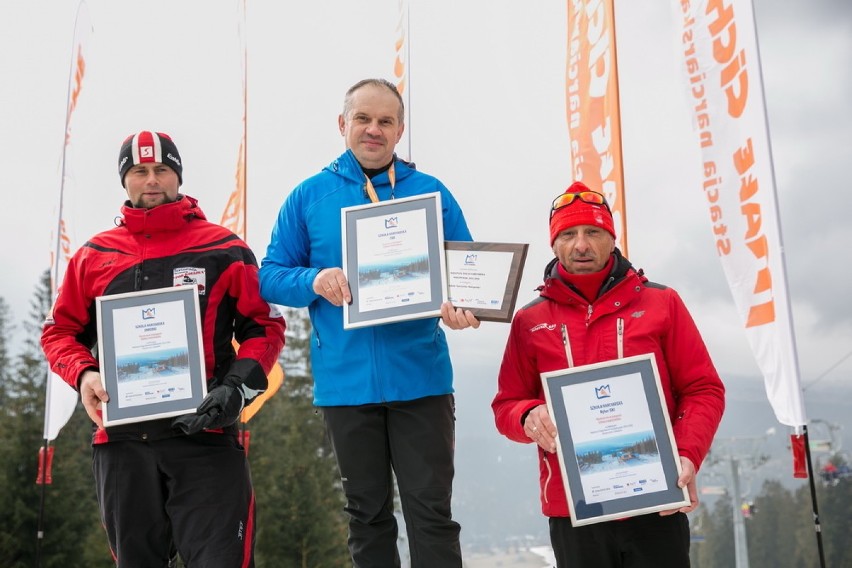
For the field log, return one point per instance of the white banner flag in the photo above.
(719, 55)
(60, 398)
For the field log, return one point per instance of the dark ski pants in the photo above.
(416, 438)
(189, 492)
(645, 541)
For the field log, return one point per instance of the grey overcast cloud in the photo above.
(486, 116)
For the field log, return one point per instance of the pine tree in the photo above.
(776, 517)
(718, 550)
(69, 511)
(834, 501)
(22, 429)
(699, 524)
(6, 327)
(300, 522)
(8, 537)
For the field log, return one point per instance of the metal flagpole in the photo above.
(45, 463)
(783, 261)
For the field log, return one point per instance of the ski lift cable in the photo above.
(827, 371)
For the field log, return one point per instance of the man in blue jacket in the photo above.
(385, 391)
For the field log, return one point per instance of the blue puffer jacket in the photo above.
(391, 362)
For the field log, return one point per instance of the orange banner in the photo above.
(594, 120)
(234, 218)
(234, 215)
(276, 379)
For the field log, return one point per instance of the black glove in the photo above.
(221, 407)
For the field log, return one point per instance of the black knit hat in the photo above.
(149, 147)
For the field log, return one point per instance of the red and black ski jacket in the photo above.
(168, 245)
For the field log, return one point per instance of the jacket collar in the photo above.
(168, 217)
(557, 289)
(347, 165)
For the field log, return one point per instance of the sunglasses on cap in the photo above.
(568, 198)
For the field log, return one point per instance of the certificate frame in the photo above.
(617, 452)
(497, 302)
(151, 354)
(393, 257)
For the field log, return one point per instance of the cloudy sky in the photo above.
(487, 116)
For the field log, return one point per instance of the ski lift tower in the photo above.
(734, 453)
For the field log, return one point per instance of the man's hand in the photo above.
(221, 407)
(92, 394)
(686, 479)
(540, 428)
(457, 318)
(332, 285)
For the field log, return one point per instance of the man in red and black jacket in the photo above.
(177, 482)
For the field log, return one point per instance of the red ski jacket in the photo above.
(630, 317)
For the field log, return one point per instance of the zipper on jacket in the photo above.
(137, 279)
(374, 365)
(620, 333)
(588, 315)
(567, 346)
(546, 479)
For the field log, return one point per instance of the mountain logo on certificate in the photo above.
(391, 222)
(603, 391)
(470, 260)
(149, 313)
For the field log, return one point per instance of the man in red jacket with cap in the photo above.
(594, 307)
(179, 482)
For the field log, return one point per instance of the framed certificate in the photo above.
(484, 277)
(615, 444)
(151, 354)
(393, 257)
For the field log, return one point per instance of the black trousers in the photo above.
(189, 492)
(416, 439)
(645, 541)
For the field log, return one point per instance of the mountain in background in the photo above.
(496, 495)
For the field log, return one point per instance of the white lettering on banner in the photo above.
(598, 38)
(591, 91)
(599, 84)
(574, 56)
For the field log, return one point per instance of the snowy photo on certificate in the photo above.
(393, 260)
(151, 354)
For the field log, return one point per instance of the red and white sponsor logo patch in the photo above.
(187, 276)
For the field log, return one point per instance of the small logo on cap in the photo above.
(146, 151)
